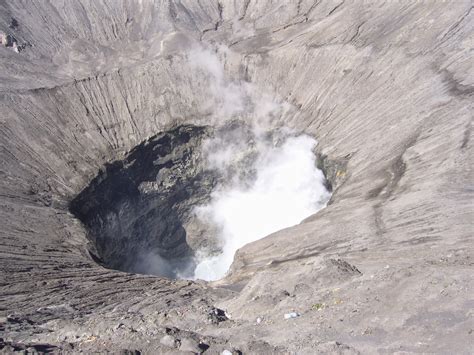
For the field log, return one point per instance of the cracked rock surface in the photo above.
(387, 88)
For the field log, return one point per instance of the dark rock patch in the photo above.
(135, 209)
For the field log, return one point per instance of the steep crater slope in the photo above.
(387, 89)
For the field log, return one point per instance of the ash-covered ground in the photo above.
(384, 87)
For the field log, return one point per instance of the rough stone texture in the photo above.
(387, 89)
(138, 208)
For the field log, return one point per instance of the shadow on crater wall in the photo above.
(135, 208)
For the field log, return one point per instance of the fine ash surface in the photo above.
(385, 87)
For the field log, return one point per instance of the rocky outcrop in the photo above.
(385, 87)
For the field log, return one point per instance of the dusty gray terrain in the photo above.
(387, 88)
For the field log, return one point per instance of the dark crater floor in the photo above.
(135, 208)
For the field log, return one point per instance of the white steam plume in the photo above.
(287, 188)
(227, 98)
(270, 177)
(284, 187)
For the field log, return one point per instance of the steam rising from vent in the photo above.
(280, 188)
(271, 180)
(227, 99)
(181, 203)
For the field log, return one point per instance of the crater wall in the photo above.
(385, 87)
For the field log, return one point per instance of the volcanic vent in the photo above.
(181, 203)
(112, 110)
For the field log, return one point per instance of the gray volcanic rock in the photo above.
(385, 87)
(138, 208)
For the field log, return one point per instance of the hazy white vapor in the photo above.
(225, 97)
(228, 98)
(271, 179)
(288, 188)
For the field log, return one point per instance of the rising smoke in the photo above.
(286, 188)
(272, 179)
